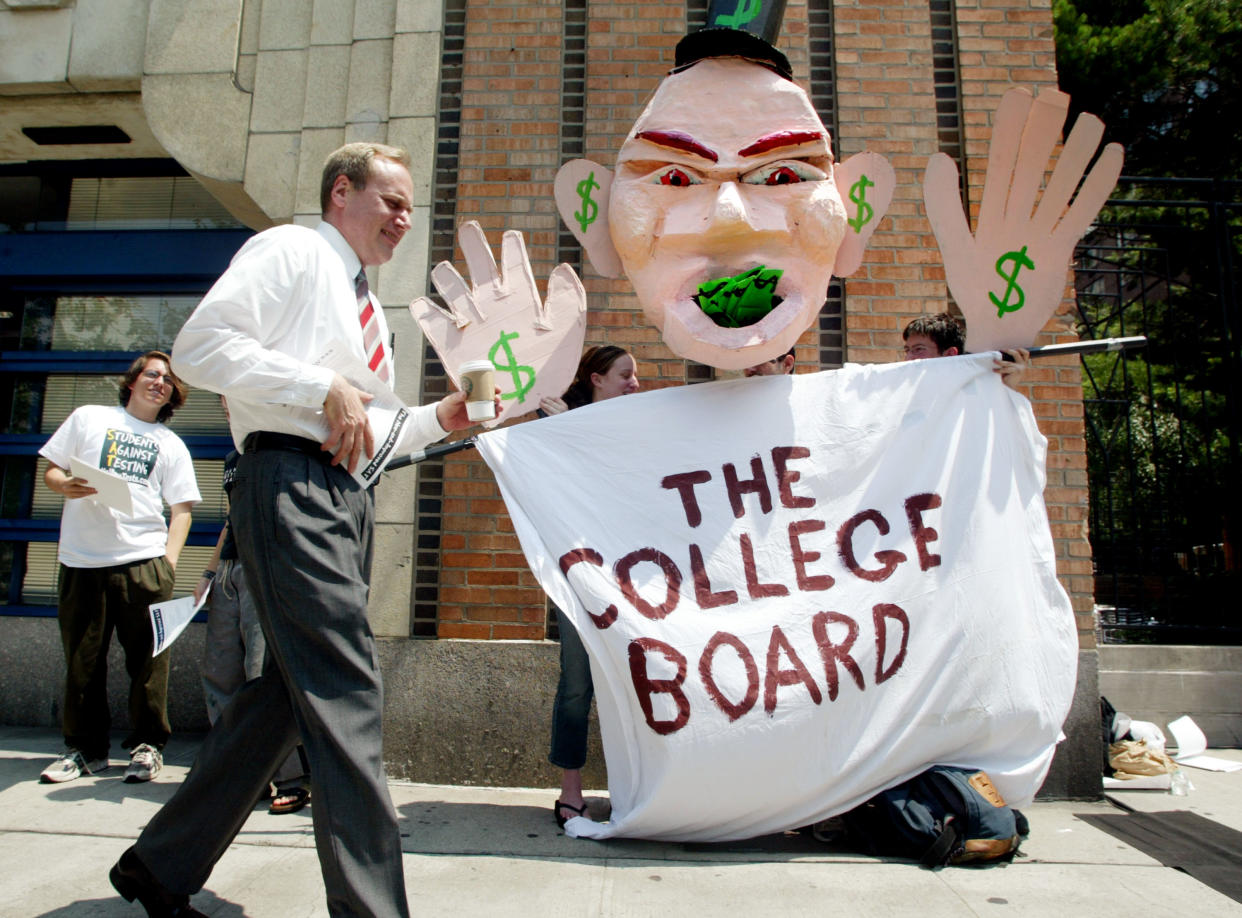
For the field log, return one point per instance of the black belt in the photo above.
(266, 439)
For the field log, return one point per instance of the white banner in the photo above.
(799, 590)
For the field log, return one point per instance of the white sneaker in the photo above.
(145, 762)
(71, 765)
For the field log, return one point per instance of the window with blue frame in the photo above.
(99, 262)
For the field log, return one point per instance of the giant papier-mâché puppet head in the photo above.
(727, 211)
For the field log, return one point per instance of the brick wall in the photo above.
(1012, 44)
(511, 117)
(629, 48)
(511, 112)
(887, 104)
(508, 155)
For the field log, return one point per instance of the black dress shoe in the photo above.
(132, 880)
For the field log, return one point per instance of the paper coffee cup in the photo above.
(476, 382)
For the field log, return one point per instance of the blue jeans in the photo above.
(572, 707)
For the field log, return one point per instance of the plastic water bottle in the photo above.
(1179, 784)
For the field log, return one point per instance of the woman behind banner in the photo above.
(604, 372)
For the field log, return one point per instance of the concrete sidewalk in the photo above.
(487, 851)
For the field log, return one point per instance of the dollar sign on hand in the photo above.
(512, 367)
(1020, 261)
(743, 13)
(590, 210)
(858, 194)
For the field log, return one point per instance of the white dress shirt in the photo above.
(287, 295)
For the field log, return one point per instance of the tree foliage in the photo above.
(1164, 75)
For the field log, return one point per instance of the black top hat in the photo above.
(737, 28)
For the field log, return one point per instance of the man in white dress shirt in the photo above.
(303, 527)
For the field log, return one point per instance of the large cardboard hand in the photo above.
(1009, 277)
(534, 345)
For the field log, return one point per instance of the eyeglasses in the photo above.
(153, 376)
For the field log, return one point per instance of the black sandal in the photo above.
(298, 798)
(559, 805)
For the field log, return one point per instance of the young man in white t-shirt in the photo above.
(114, 566)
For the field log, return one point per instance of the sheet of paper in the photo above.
(1191, 744)
(113, 490)
(1142, 782)
(1187, 736)
(168, 619)
(1210, 763)
(386, 413)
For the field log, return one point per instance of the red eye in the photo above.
(676, 178)
(783, 176)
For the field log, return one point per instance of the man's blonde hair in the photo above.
(354, 162)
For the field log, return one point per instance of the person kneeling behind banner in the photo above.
(943, 816)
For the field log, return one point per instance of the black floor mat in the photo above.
(1208, 851)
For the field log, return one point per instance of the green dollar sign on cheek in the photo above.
(1019, 261)
(512, 367)
(858, 194)
(590, 210)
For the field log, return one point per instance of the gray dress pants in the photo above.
(303, 532)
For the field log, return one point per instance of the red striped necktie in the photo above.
(371, 342)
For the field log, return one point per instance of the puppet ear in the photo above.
(866, 182)
(581, 189)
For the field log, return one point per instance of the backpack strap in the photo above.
(943, 847)
(1021, 826)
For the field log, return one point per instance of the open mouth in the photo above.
(742, 299)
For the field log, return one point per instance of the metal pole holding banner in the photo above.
(1050, 350)
(1085, 347)
(431, 452)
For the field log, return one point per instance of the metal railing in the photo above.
(1163, 423)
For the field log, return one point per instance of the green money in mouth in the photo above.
(741, 300)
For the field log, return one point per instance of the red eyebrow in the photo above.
(678, 141)
(780, 139)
